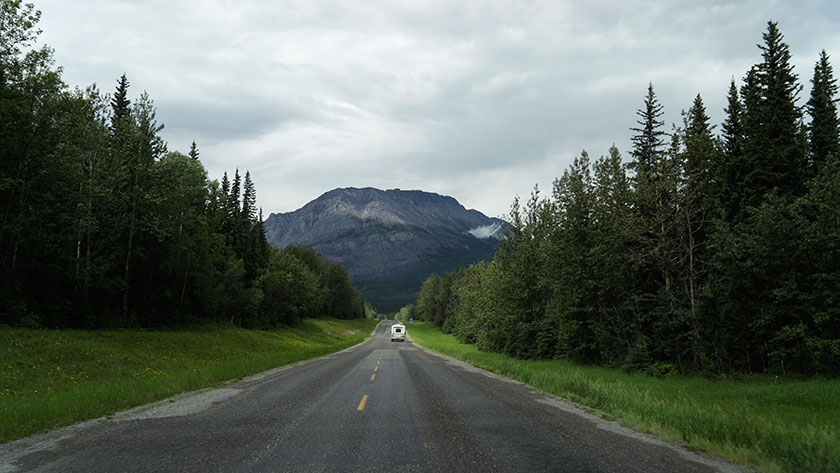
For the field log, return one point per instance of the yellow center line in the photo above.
(377, 362)
(372, 376)
(376, 369)
(362, 403)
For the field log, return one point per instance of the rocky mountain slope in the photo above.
(389, 241)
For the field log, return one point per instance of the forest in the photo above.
(703, 253)
(101, 226)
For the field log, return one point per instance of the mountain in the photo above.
(389, 241)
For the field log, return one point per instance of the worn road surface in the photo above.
(379, 406)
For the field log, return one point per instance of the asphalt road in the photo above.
(379, 406)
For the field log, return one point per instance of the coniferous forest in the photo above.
(705, 252)
(102, 226)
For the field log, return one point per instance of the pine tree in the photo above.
(248, 248)
(648, 141)
(573, 288)
(655, 218)
(233, 211)
(235, 189)
(699, 161)
(822, 108)
(249, 201)
(616, 318)
(729, 172)
(775, 147)
(120, 104)
(225, 185)
(697, 205)
(733, 129)
(193, 151)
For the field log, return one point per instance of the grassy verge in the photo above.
(774, 425)
(50, 378)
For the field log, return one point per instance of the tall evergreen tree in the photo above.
(699, 152)
(697, 205)
(193, 151)
(656, 233)
(729, 171)
(775, 147)
(733, 129)
(822, 108)
(648, 141)
(120, 104)
(248, 244)
(570, 272)
(613, 250)
(235, 192)
(233, 211)
(225, 185)
(249, 201)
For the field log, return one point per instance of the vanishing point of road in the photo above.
(379, 406)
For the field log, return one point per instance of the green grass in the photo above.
(51, 378)
(774, 425)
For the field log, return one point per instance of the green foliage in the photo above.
(711, 255)
(824, 129)
(775, 146)
(102, 227)
(298, 282)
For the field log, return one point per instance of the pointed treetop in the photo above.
(235, 188)
(648, 141)
(194, 151)
(249, 198)
(822, 108)
(225, 184)
(775, 72)
(698, 121)
(733, 131)
(120, 102)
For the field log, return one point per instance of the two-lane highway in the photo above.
(379, 406)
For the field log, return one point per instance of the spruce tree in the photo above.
(699, 149)
(655, 211)
(775, 148)
(729, 171)
(193, 151)
(249, 200)
(697, 204)
(235, 189)
(225, 186)
(733, 129)
(248, 248)
(120, 104)
(225, 205)
(232, 211)
(648, 141)
(822, 108)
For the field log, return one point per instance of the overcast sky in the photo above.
(476, 100)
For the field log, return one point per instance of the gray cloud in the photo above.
(478, 100)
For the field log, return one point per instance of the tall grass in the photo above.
(50, 378)
(772, 424)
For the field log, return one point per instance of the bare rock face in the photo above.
(389, 241)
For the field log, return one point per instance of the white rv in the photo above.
(398, 332)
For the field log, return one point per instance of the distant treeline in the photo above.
(103, 227)
(704, 253)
